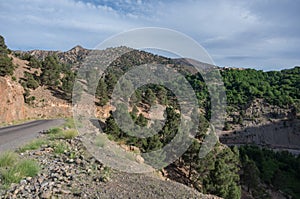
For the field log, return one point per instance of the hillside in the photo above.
(14, 106)
(274, 102)
(263, 109)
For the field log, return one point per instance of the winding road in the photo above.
(12, 137)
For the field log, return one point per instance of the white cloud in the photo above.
(62, 18)
(238, 33)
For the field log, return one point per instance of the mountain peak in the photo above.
(77, 48)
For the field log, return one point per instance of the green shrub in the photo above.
(60, 148)
(22, 169)
(7, 159)
(105, 175)
(35, 144)
(69, 134)
(69, 123)
(55, 131)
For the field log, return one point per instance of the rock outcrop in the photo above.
(12, 105)
(265, 125)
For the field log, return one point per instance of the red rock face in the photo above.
(12, 105)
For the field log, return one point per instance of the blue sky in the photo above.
(261, 34)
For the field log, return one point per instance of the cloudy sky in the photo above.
(261, 34)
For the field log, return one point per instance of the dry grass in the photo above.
(69, 134)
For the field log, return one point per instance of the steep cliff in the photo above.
(12, 105)
(265, 125)
(46, 104)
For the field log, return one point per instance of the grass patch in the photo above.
(55, 131)
(111, 137)
(60, 148)
(35, 144)
(105, 175)
(22, 169)
(58, 133)
(8, 158)
(130, 156)
(100, 141)
(69, 123)
(69, 134)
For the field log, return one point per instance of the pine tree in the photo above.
(223, 180)
(68, 83)
(162, 95)
(6, 65)
(110, 80)
(150, 96)
(250, 174)
(51, 69)
(191, 158)
(141, 120)
(101, 92)
(112, 127)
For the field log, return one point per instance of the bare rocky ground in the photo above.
(74, 173)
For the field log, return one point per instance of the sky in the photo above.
(260, 34)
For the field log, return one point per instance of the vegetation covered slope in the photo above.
(278, 169)
(280, 88)
(217, 173)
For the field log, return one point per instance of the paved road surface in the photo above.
(12, 137)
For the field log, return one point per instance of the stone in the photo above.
(139, 159)
(38, 153)
(29, 179)
(44, 184)
(65, 191)
(46, 195)
(23, 182)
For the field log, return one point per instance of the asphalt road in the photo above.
(12, 137)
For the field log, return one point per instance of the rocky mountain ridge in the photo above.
(258, 114)
(71, 56)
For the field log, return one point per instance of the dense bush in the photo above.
(279, 169)
(277, 87)
(6, 65)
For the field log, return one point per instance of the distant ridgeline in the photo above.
(280, 88)
(217, 173)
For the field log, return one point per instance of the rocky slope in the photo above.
(12, 105)
(265, 125)
(74, 173)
